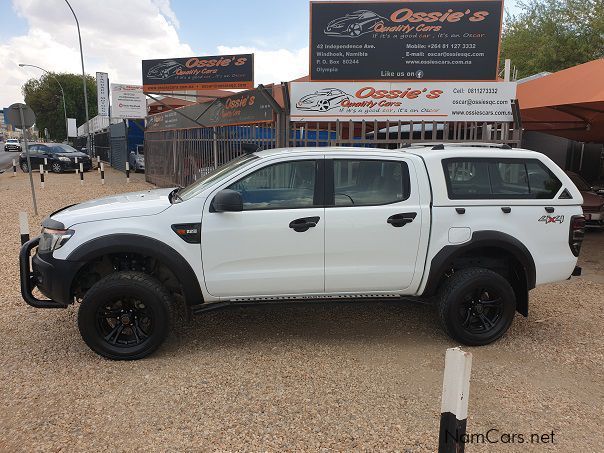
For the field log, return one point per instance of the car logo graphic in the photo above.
(551, 219)
(164, 70)
(354, 24)
(322, 100)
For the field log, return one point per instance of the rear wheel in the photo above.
(476, 306)
(24, 167)
(125, 316)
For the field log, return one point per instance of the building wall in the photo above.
(587, 159)
(556, 148)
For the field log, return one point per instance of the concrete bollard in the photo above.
(98, 164)
(102, 173)
(46, 165)
(127, 172)
(81, 174)
(454, 404)
(14, 167)
(23, 227)
(41, 176)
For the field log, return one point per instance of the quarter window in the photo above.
(499, 178)
(286, 185)
(369, 182)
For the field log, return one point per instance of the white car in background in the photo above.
(12, 144)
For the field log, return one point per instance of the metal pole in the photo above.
(454, 403)
(31, 178)
(83, 79)
(62, 94)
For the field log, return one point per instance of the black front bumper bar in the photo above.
(28, 282)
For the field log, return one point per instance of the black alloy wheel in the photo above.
(481, 310)
(24, 167)
(125, 322)
(125, 316)
(476, 306)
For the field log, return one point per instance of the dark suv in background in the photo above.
(60, 157)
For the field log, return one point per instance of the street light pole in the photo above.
(62, 93)
(83, 80)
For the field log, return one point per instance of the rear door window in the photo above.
(486, 178)
(361, 182)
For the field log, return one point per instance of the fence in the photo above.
(179, 157)
(394, 134)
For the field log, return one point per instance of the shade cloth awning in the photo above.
(568, 103)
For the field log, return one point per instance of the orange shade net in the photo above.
(568, 103)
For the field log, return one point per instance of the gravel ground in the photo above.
(350, 376)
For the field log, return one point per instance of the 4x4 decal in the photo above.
(551, 219)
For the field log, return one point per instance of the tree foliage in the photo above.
(43, 95)
(550, 35)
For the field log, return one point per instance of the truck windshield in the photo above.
(222, 171)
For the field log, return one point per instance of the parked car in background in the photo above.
(137, 159)
(12, 144)
(593, 204)
(60, 157)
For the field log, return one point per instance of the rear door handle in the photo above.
(304, 223)
(402, 219)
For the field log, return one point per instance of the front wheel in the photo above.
(125, 316)
(56, 167)
(476, 306)
(24, 167)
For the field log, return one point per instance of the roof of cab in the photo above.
(426, 151)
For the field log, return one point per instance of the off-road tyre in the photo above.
(476, 306)
(125, 316)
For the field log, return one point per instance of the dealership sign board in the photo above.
(405, 40)
(402, 101)
(102, 93)
(199, 73)
(242, 108)
(128, 101)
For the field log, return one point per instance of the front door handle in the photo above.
(402, 219)
(303, 224)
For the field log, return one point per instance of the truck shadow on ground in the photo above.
(349, 321)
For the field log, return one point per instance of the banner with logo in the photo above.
(199, 73)
(102, 93)
(128, 101)
(242, 108)
(405, 40)
(402, 101)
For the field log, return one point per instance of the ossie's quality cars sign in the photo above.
(402, 101)
(405, 40)
(199, 73)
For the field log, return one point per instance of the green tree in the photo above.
(43, 95)
(550, 35)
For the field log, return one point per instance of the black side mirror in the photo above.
(227, 200)
(249, 148)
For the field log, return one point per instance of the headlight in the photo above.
(64, 159)
(51, 240)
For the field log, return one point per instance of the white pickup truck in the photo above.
(471, 228)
